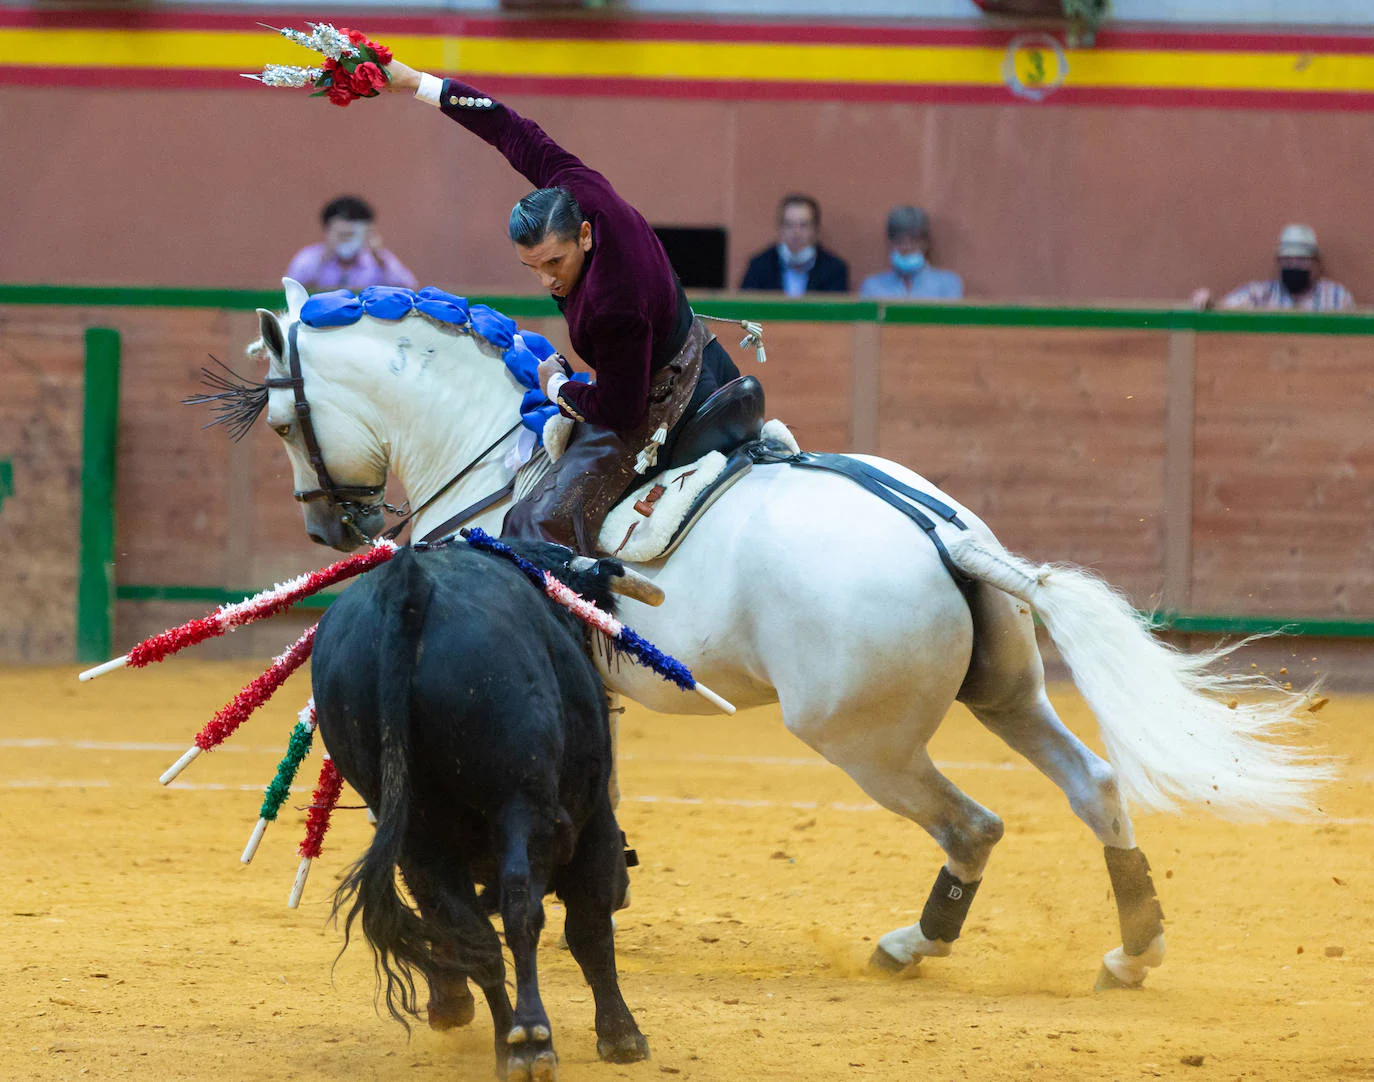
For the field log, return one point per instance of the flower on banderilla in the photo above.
(354, 66)
(346, 78)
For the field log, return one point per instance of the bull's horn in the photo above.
(628, 583)
(633, 584)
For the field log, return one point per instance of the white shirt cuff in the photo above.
(554, 385)
(430, 89)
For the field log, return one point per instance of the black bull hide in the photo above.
(463, 707)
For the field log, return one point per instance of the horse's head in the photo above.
(329, 427)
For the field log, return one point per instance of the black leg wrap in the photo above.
(947, 907)
(1142, 919)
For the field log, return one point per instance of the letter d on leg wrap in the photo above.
(947, 907)
(1142, 918)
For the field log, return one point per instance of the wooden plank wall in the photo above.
(42, 360)
(1073, 444)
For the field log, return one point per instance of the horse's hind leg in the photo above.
(962, 827)
(1005, 690)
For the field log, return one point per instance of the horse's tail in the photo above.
(405, 944)
(1175, 730)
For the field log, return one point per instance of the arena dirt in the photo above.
(134, 944)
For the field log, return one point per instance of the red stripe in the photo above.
(704, 30)
(740, 90)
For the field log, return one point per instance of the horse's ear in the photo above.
(270, 330)
(296, 296)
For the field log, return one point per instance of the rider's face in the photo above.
(558, 264)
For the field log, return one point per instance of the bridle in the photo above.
(362, 500)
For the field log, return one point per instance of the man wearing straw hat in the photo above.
(628, 318)
(1299, 285)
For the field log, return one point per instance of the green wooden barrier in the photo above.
(95, 591)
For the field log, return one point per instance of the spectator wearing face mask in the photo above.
(910, 274)
(1300, 284)
(797, 264)
(351, 255)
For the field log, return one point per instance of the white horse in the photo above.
(799, 587)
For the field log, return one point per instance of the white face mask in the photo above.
(352, 244)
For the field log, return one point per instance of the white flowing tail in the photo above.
(1175, 730)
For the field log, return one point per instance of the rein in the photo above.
(365, 499)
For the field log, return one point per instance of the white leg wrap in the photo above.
(908, 945)
(1131, 968)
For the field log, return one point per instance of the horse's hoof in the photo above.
(533, 1067)
(1107, 981)
(630, 1048)
(882, 962)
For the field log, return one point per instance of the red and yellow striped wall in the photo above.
(712, 59)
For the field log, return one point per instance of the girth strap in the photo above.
(891, 491)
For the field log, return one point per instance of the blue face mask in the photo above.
(907, 264)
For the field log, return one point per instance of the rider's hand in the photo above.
(402, 77)
(554, 366)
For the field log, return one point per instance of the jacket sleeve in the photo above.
(619, 398)
(524, 143)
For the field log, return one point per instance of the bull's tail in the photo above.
(403, 942)
(1176, 730)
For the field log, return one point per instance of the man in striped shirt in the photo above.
(1300, 284)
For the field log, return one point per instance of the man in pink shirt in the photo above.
(351, 255)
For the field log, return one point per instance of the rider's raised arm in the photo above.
(524, 143)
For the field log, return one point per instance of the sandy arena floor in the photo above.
(135, 944)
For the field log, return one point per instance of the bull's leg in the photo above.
(592, 886)
(450, 1000)
(528, 847)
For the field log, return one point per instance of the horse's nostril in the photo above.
(318, 538)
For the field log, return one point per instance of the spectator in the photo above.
(1300, 283)
(351, 255)
(908, 237)
(798, 264)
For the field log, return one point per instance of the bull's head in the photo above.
(619, 579)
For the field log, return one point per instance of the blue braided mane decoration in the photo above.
(520, 350)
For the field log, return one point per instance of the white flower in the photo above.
(285, 75)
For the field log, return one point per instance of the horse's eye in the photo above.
(282, 430)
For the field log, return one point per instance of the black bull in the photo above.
(463, 707)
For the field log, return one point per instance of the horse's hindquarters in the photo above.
(801, 586)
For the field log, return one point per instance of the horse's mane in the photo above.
(237, 401)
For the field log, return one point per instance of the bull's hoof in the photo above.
(1107, 981)
(529, 1055)
(451, 1013)
(882, 962)
(631, 1048)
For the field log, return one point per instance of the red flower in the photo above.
(330, 64)
(341, 91)
(383, 53)
(367, 79)
(357, 37)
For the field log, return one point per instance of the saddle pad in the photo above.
(631, 535)
(653, 519)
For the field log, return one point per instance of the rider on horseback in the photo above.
(628, 318)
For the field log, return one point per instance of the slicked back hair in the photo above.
(543, 213)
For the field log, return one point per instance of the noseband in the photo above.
(353, 500)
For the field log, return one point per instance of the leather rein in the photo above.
(355, 500)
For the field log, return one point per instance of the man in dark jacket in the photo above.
(797, 264)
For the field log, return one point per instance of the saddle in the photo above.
(706, 454)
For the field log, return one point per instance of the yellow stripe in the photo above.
(918, 65)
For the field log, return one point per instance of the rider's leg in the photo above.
(1005, 690)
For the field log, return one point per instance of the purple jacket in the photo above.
(626, 301)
